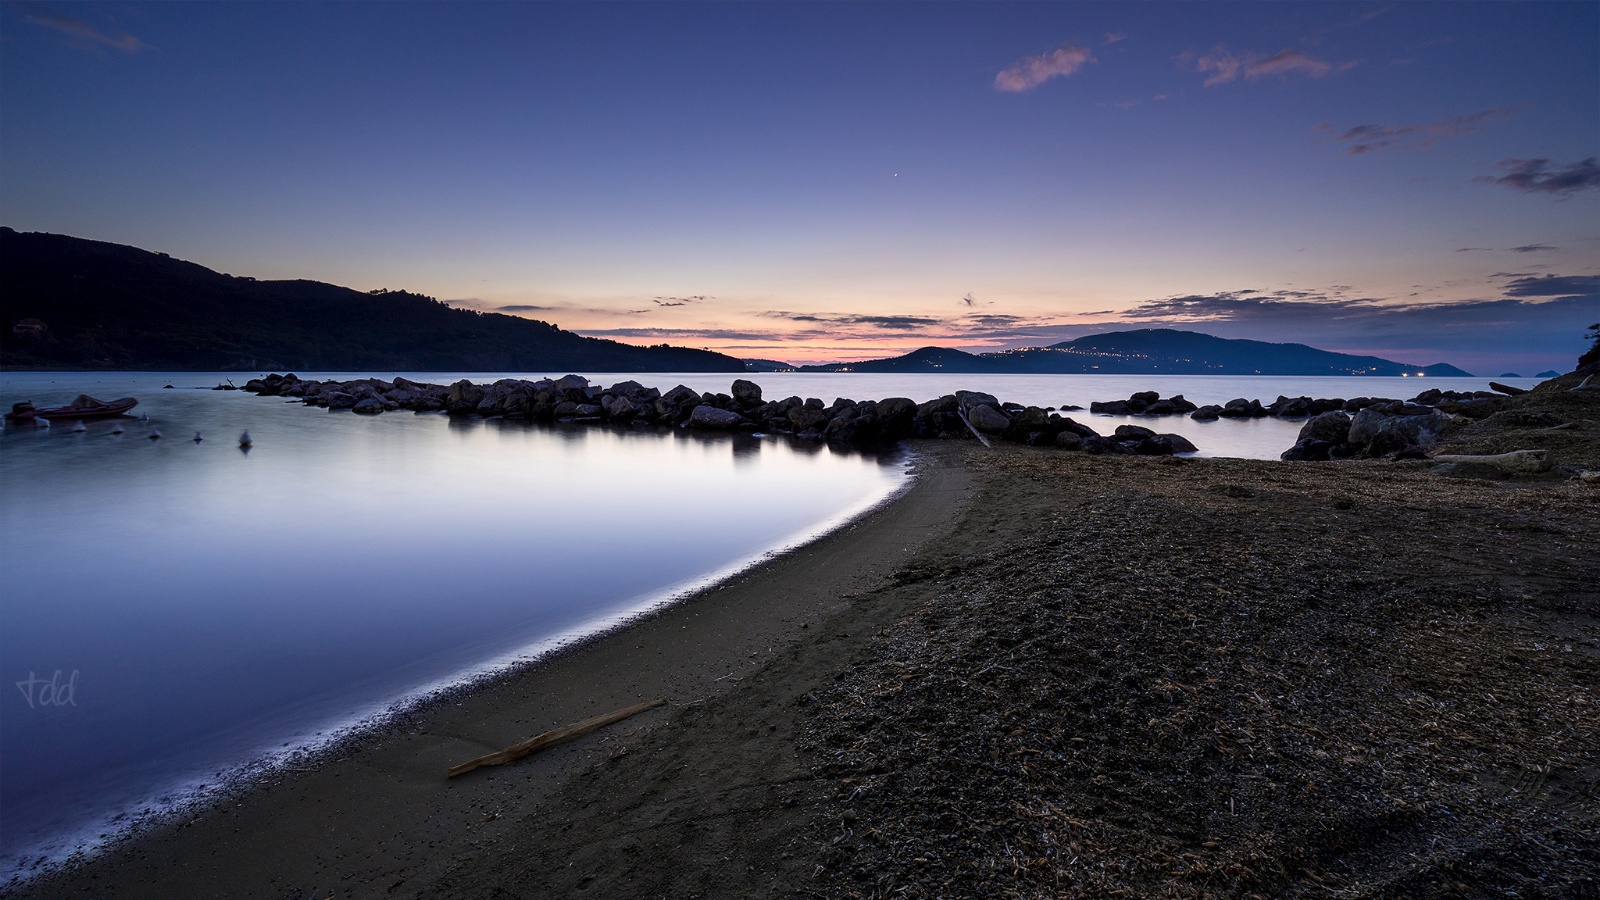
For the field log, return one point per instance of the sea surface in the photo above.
(177, 614)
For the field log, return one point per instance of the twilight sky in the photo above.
(839, 181)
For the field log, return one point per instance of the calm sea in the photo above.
(177, 613)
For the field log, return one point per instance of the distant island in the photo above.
(78, 304)
(1148, 351)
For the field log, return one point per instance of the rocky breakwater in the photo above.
(964, 415)
(1386, 429)
(1476, 405)
(1393, 430)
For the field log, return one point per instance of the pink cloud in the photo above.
(1224, 67)
(1032, 71)
(1288, 61)
(72, 26)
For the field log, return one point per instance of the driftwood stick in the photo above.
(1506, 389)
(975, 432)
(1515, 461)
(551, 738)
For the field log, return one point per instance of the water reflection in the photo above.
(219, 604)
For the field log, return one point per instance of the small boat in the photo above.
(84, 407)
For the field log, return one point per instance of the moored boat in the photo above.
(84, 407)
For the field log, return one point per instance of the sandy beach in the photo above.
(1034, 674)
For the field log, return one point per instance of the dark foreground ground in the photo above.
(1040, 675)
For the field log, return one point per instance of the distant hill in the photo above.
(1147, 351)
(927, 359)
(767, 365)
(74, 303)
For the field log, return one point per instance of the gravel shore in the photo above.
(1038, 674)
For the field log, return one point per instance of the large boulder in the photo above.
(1364, 426)
(1030, 426)
(897, 415)
(1062, 423)
(1154, 446)
(1309, 450)
(463, 397)
(987, 419)
(571, 383)
(853, 429)
(1400, 433)
(805, 418)
(1240, 408)
(708, 416)
(1377, 431)
(1097, 445)
(1330, 427)
(622, 410)
(746, 393)
(1113, 407)
(897, 406)
(1179, 443)
(681, 396)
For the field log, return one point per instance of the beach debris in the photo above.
(1507, 389)
(975, 432)
(552, 738)
(1055, 698)
(1517, 462)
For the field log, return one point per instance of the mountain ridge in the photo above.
(76, 303)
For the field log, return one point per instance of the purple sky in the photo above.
(837, 181)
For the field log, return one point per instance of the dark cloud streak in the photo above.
(1362, 139)
(1535, 176)
(1555, 286)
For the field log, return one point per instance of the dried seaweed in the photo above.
(1362, 681)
